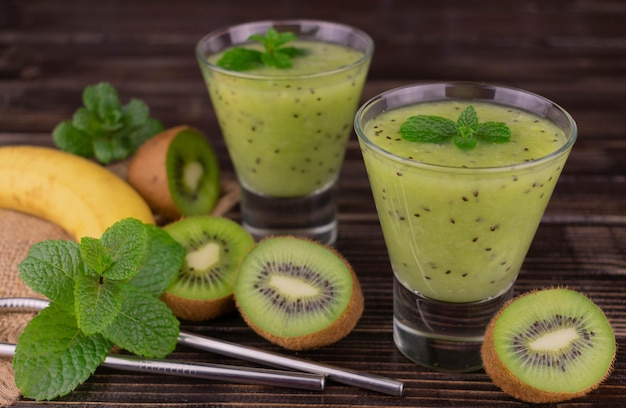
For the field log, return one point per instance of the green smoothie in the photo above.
(286, 129)
(458, 228)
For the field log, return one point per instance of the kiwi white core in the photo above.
(292, 287)
(192, 174)
(555, 341)
(203, 258)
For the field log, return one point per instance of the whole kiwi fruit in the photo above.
(204, 286)
(549, 345)
(177, 173)
(298, 293)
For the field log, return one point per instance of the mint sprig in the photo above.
(103, 292)
(465, 132)
(105, 129)
(275, 54)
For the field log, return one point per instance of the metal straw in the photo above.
(341, 375)
(225, 373)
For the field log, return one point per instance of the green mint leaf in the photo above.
(70, 139)
(104, 129)
(93, 95)
(126, 242)
(51, 268)
(135, 114)
(53, 356)
(275, 55)
(428, 129)
(277, 59)
(88, 122)
(240, 59)
(163, 259)
(145, 326)
(493, 132)
(465, 133)
(465, 141)
(108, 149)
(102, 100)
(293, 51)
(468, 118)
(98, 302)
(138, 136)
(95, 254)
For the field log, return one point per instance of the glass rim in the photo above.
(563, 149)
(202, 59)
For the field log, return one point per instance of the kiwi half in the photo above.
(177, 173)
(549, 345)
(298, 293)
(204, 287)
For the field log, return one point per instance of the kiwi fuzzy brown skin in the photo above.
(332, 333)
(502, 376)
(198, 310)
(147, 173)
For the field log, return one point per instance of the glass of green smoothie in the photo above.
(285, 100)
(461, 174)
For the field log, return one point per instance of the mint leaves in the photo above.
(103, 292)
(465, 132)
(105, 129)
(275, 55)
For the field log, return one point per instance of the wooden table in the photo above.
(573, 52)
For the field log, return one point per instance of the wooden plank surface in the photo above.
(573, 52)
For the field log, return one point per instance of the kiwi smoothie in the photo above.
(461, 174)
(458, 228)
(286, 129)
(286, 126)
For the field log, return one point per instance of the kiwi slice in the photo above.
(177, 173)
(549, 345)
(298, 293)
(204, 287)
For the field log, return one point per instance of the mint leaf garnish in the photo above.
(465, 132)
(126, 242)
(97, 300)
(143, 327)
(53, 356)
(274, 55)
(97, 303)
(51, 268)
(426, 128)
(162, 256)
(105, 129)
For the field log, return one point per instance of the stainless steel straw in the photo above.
(219, 372)
(223, 373)
(341, 375)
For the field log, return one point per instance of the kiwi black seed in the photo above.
(204, 287)
(549, 345)
(298, 293)
(177, 173)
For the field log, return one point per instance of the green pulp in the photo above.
(459, 229)
(286, 129)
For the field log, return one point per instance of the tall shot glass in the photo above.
(286, 129)
(458, 224)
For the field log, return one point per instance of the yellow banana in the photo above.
(79, 195)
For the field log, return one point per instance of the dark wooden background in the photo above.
(573, 52)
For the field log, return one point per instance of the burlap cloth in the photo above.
(18, 232)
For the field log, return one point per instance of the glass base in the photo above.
(439, 335)
(313, 216)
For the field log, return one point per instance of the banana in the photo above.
(77, 194)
